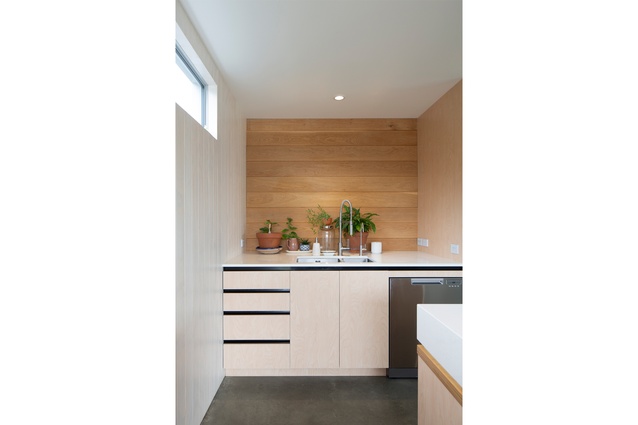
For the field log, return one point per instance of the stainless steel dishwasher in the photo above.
(405, 294)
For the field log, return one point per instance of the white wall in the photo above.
(210, 217)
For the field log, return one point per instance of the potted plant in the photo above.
(290, 236)
(304, 244)
(359, 221)
(318, 219)
(267, 238)
(321, 223)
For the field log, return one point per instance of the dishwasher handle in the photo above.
(427, 281)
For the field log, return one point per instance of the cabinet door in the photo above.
(436, 405)
(257, 327)
(314, 319)
(256, 356)
(364, 297)
(256, 302)
(257, 280)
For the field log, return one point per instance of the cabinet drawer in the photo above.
(279, 301)
(256, 356)
(257, 280)
(276, 326)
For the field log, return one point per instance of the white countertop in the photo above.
(440, 330)
(387, 259)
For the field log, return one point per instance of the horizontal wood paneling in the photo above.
(390, 124)
(319, 139)
(365, 200)
(294, 165)
(330, 153)
(331, 184)
(387, 215)
(396, 230)
(333, 168)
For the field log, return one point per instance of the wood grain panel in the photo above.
(257, 280)
(256, 356)
(442, 375)
(293, 165)
(364, 200)
(332, 168)
(390, 124)
(257, 327)
(314, 319)
(331, 184)
(397, 230)
(331, 153)
(398, 224)
(437, 405)
(387, 216)
(209, 223)
(257, 302)
(364, 319)
(441, 173)
(325, 138)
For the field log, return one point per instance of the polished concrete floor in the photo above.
(314, 401)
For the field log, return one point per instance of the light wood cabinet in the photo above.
(256, 320)
(314, 319)
(257, 327)
(307, 321)
(256, 356)
(440, 397)
(363, 327)
(256, 301)
(257, 280)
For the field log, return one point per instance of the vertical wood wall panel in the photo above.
(296, 164)
(440, 175)
(210, 220)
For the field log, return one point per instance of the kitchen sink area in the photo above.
(335, 259)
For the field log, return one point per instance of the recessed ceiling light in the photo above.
(339, 97)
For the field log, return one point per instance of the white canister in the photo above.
(376, 247)
(316, 249)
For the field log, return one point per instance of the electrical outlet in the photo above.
(421, 242)
(241, 243)
(454, 249)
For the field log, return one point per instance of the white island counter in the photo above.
(440, 330)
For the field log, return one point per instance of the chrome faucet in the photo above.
(341, 226)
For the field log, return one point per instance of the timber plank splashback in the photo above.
(296, 164)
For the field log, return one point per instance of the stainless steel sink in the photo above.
(355, 259)
(317, 259)
(327, 259)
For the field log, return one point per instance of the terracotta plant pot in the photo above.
(355, 240)
(292, 244)
(269, 240)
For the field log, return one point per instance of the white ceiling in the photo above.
(289, 58)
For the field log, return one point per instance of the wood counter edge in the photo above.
(446, 379)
